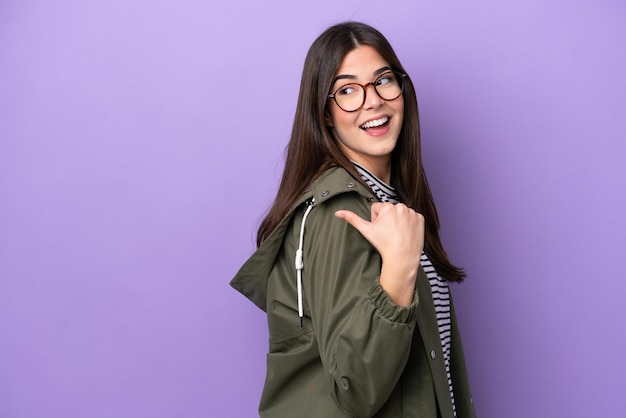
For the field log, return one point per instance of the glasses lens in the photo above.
(389, 86)
(350, 97)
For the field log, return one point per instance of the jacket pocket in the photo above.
(285, 331)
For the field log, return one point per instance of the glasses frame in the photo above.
(400, 76)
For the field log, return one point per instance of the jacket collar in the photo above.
(251, 280)
(333, 182)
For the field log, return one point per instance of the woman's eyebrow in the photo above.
(382, 70)
(343, 77)
(352, 77)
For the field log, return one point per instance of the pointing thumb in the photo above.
(353, 219)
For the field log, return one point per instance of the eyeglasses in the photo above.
(351, 97)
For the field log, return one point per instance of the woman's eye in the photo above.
(346, 90)
(384, 79)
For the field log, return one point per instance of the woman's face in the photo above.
(368, 135)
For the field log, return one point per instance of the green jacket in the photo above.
(357, 353)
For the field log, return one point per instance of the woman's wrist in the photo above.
(399, 283)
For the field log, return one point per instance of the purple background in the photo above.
(141, 141)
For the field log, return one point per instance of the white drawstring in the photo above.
(299, 261)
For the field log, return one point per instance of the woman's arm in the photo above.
(364, 337)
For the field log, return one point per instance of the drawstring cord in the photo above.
(299, 261)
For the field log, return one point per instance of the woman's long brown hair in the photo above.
(313, 148)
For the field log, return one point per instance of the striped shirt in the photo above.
(438, 285)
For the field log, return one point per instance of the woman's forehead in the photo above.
(362, 62)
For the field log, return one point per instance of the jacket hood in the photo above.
(251, 280)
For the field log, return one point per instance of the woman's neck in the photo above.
(381, 169)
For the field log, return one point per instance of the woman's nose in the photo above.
(372, 99)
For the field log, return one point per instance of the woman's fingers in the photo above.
(397, 232)
(393, 229)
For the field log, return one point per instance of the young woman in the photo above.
(350, 268)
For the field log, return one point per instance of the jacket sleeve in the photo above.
(364, 338)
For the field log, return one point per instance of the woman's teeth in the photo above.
(375, 123)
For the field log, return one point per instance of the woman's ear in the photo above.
(328, 121)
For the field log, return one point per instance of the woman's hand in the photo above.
(397, 232)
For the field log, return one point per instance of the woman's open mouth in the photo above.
(376, 123)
